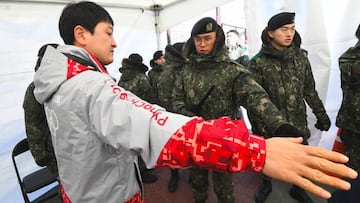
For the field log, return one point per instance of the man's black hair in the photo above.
(87, 14)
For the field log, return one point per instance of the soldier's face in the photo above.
(204, 43)
(160, 61)
(283, 36)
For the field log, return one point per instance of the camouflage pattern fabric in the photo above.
(37, 131)
(348, 117)
(233, 88)
(167, 78)
(153, 76)
(287, 78)
(349, 114)
(351, 141)
(134, 79)
(223, 185)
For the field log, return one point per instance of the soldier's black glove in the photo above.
(323, 122)
(287, 130)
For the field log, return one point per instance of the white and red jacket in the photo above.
(98, 130)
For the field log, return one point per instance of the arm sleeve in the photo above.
(123, 120)
(255, 99)
(310, 94)
(165, 89)
(222, 145)
(178, 97)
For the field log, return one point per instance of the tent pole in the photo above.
(157, 19)
(168, 35)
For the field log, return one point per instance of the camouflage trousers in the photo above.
(223, 185)
(351, 141)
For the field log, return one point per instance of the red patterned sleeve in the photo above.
(223, 145)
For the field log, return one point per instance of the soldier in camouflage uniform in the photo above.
(134, 79)
(283, 70)
(36, 126)
(172, 68)
(230, 85)
(37, 130)
(156, 64)
(348, 118)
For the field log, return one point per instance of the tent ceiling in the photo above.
(135, 4)
(167, 13)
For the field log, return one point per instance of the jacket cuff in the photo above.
(258, 152)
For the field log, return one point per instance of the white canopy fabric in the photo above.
(327, 28)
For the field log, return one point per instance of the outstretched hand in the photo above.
(289, 161)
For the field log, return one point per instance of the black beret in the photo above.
(205, 25)
(157, 55)
(136, 58)
(280, 20)
(357, 33)
(42, 49)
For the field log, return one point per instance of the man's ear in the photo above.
(271, 34)
(80, 35)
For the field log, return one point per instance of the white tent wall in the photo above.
(178, 13)
(327, 28)
(19, 44)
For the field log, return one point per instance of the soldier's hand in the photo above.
(323, 122)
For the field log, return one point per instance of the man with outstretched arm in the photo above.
(98, 129)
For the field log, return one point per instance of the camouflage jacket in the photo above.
(287, 77)
(153, 76)
(37, 131)
(172, 68)
(349, 114)
(234, 87)
(134, 79)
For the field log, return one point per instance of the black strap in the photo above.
(81, 61)
(197, 108)
(138, 179)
